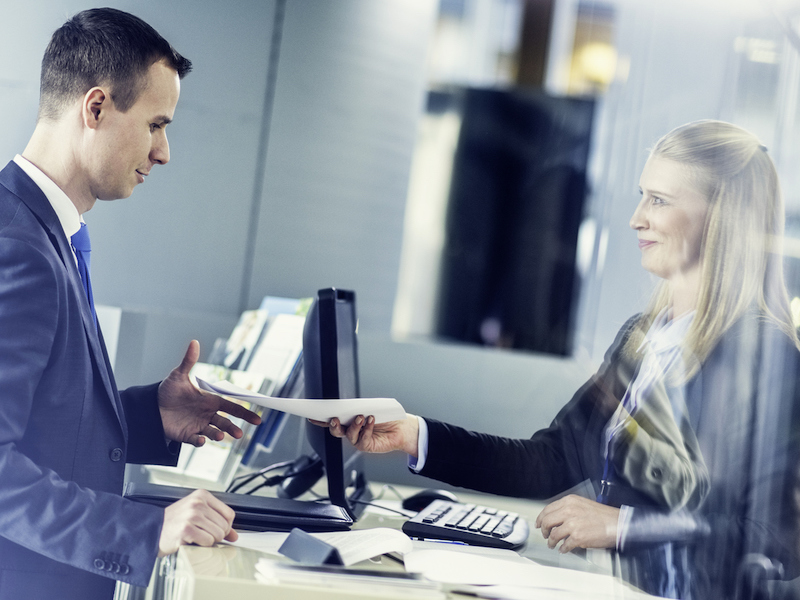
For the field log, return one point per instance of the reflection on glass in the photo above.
(673, 62)
(515, 207)
(689, 429)
(686, 441)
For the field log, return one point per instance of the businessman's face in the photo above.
(129, 144)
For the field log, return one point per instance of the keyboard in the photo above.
(469, 523)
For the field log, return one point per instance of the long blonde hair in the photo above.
(742, 262)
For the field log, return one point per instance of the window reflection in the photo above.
(726, 524)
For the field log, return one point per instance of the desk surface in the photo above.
(225, 571)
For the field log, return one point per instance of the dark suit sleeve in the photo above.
(552, 461)
(537, 468)
(147, 443)
(56, 436)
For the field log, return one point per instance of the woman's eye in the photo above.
(657, 200)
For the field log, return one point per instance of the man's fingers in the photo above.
(200, 518)
(226, 425)
(213, 433)
(237, 410)
(213, 516)
(221, 508)
(190, 358)
(194, 534)
(232, 536)
(196, 440)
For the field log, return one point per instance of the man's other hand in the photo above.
(190, 415)
(200, 519)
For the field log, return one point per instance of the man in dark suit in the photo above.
(110, 85)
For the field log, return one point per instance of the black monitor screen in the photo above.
(330, 364)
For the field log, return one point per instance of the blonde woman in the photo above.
(686, 430)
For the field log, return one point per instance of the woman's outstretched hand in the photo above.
(368, 436)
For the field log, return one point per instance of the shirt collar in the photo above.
(67, 214)
(665, 333)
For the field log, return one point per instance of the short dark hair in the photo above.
(102, 46)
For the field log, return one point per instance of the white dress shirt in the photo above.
(67, 213)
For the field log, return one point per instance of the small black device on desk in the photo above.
(416, 502)
(254, 513)
(469, 523)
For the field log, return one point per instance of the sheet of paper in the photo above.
(454, 567)
(362, 544)
(518, 592)
(346, 409)
(360, 584)
(262, 541)
(353, 546)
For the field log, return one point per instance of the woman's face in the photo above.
(670, 220)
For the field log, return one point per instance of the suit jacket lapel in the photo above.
(18, 182)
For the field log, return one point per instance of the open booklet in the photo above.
(345, 409)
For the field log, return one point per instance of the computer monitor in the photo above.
(330, 370)
(330, 365)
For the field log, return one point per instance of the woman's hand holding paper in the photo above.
(367, 436)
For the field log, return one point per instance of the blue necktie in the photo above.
(83, 246)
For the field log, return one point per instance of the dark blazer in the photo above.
(741, 409)
(65, 431)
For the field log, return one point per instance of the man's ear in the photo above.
(96, 103)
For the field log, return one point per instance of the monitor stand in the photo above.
(333, 461)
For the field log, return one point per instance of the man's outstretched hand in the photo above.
(190, 415)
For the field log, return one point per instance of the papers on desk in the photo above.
(357, 545)
(353, 546)
(505, 574)
(346, 410)
(354, 583)
(475, 571)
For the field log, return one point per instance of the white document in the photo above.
(353, 546)
(362, 544)
(341, 582)
(346, 410)
(448, 566)
(267, 542)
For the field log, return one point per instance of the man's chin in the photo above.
(116, 195)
